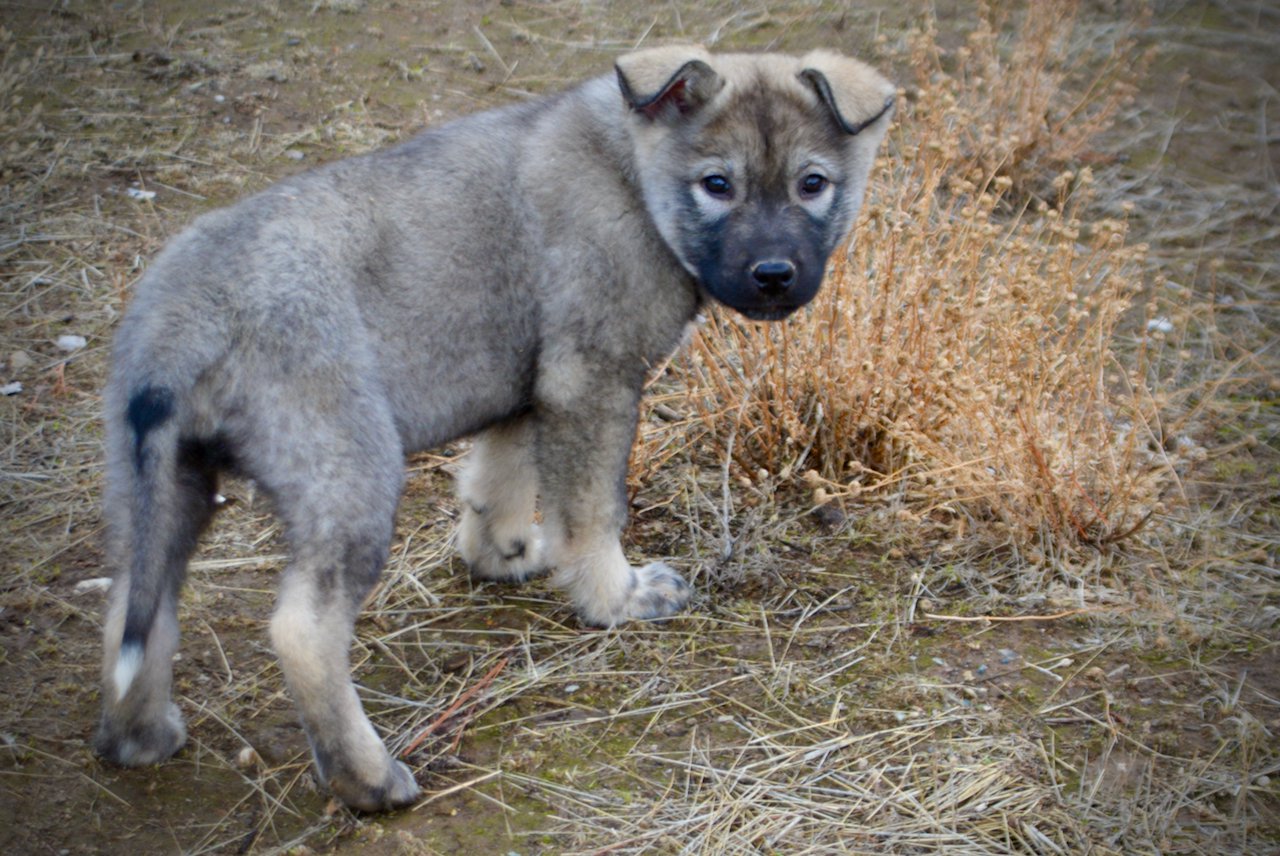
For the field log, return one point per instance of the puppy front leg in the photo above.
(498, 487)
(583, 446)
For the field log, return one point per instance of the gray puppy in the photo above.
(511, 275)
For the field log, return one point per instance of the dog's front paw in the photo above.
(660, 592)
(504, 553)
(398, 789)
(655, 591)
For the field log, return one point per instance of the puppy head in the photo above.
(753, 167)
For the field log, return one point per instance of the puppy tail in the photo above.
(151, 426)
(161, 473)
(164, 484)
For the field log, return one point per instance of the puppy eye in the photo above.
(718, 186)
(813, 184)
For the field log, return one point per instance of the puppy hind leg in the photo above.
(141, 725)
(336, 490)
(498, 489)
(311, 631)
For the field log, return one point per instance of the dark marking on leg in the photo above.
(363, 562)
(517, 551)
(360, 566)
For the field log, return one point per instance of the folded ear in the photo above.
(855, 93)
(667, 81)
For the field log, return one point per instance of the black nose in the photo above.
(774, 277)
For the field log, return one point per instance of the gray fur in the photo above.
(511, 275)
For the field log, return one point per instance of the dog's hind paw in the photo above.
(138, 744)
(397, 790)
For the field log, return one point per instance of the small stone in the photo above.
(272, 71)
(97, 584)
(248, 758)
(20, 361)
(346, 7)
(69, 342)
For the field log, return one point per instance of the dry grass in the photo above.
(962, 652)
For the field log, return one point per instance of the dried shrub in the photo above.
(964, 352)
(1028, 99)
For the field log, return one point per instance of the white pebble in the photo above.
(97, 584)
(69, 342)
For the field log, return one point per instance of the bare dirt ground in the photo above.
(833, 688)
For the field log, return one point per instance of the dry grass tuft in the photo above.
(920, 786)
(966, 352)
